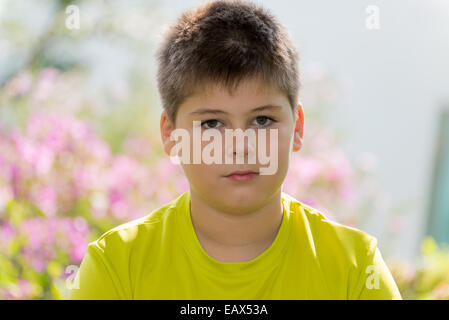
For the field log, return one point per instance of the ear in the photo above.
(166, 130)
(299, 128)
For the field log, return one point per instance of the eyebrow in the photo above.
(219, 111)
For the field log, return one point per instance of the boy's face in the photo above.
(210, 181)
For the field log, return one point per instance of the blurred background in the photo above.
(80, 148)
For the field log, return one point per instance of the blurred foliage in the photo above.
(429, 278)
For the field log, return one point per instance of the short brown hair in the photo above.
(224, 42)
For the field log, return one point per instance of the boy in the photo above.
(234, 234)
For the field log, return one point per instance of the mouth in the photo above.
(242, 175)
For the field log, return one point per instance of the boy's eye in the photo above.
(263, 120)
(211, 124)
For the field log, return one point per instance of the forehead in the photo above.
(249, 94)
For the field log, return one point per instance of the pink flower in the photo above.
(339, 167)
(120, 209)
(80, 225)
(15, 180)
(124, 173)
(48, 236)
(78, 251)
(5, 196)
(25, 147)
(115, 196)
(45, 84)
(138, 147)
(19, 85)
(43, 160)
(25, 288)
(99, 150)
(6, 234)
(347, 193)
(301, 174)
(46, 199)
(182, 184)
(19, 291)
(166, 168)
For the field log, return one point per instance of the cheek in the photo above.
(202, 174)
(280, 144)
(284, 151)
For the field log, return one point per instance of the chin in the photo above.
(241, 196)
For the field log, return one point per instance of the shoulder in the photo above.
(123, 249)
(123, 238)
(332, 239)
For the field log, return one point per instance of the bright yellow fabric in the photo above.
(159, 257)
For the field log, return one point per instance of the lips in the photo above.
(246, 172)
(241, 176)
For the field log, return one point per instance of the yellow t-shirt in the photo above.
(159, 257)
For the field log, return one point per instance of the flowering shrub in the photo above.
(61, 187)
(429, 278)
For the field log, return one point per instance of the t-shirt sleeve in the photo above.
(95, 279)
(375, 281)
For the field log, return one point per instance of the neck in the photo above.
(257, 227)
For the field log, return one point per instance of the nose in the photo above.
(243, 147)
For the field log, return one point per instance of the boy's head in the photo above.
(231, 56)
